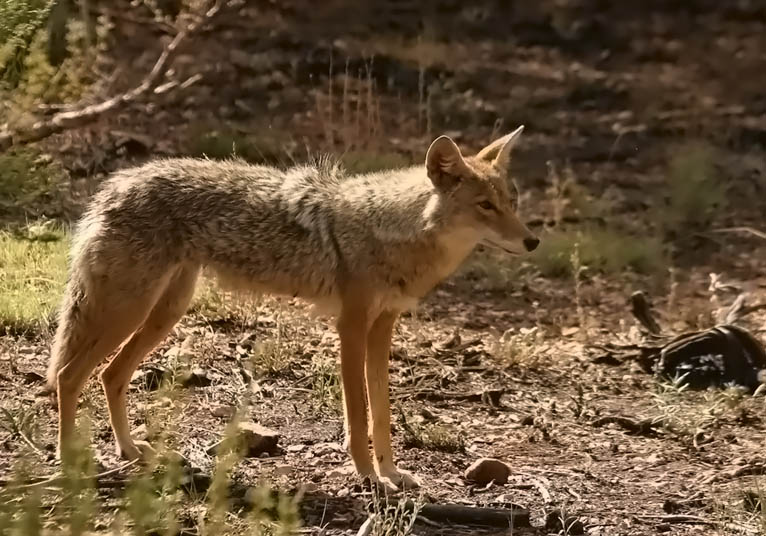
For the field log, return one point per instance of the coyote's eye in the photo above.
(486, 205)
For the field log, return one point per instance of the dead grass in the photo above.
(391, 516)
(419, 50)
(519, 348)
(740, 511)
(33, 266)
(222, 141)
(326, 385)
(368, 161)
(692, 419)
(431, 436)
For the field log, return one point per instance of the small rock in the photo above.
(283, 470)
(196, 377)
(296, 448)
(309, 487)
(340, 472)
(427, 414)
(140, 432)
(225, 412)
(255, 440)
(486, 470)
(557, 521)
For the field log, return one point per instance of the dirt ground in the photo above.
(606, 92)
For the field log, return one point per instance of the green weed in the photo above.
(33, 267)
(599, 249)
(693, 188)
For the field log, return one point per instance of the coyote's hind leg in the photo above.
(88, 332)
(169, 308)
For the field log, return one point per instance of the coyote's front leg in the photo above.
(352, 329)
(378, 347)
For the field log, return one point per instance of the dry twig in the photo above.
(642, 427)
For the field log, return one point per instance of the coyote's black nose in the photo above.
(531, 243)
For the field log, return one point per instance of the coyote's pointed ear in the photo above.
(444, 163)
(503, 148)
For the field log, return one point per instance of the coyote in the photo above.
(362, 248)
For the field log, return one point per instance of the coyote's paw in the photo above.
(139, 449)
(398, 478)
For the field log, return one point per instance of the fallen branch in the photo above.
(642, 427)
(677, 518)
(741, 229)
(752, 468)
(489, 396)
(65, 120)
(60, 480)
(513, 517)
(685, 519)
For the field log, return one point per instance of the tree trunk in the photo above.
(57, 31)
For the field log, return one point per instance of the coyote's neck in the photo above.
(415, 227)
(399, 205)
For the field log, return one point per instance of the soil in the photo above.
(605, 90)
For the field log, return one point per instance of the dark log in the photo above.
(514, 516)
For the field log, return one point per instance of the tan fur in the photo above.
(362, 248)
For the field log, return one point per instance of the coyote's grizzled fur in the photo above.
(363, 248)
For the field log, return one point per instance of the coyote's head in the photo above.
(479, 192)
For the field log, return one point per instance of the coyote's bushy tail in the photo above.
(69, 331)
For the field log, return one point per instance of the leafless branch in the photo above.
(78, 117)
(742, 229)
